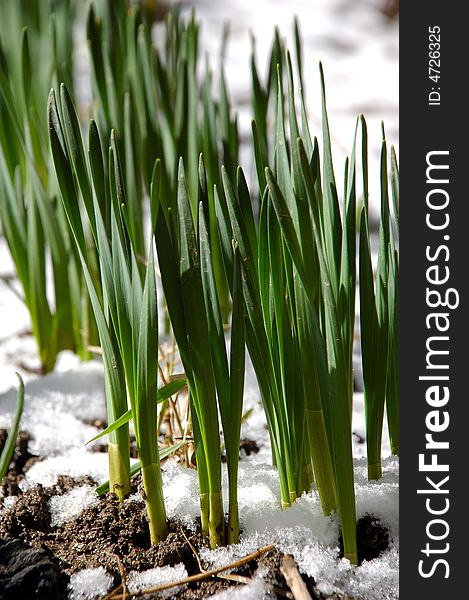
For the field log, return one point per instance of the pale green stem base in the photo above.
(119, 475)
(204, 513)
(322, 460)
(374, 471)
(216, 523)
(307, 477)
(152, 483)
(233, 524)
(352, 557)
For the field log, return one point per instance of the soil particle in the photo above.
(29, 573)
(22, 460)
(248, 447)
(30, 514)
(99, 534)
(372, 538)
(107, 534)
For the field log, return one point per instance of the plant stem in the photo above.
(322, 460)
(233, 523)
(155, 503)
(374, 471)
(216, 524)
(119, 466)
(201, 474)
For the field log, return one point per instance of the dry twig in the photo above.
(289, 570)
(200, 576)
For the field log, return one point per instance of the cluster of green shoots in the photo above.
(158, 186)
(33, 222)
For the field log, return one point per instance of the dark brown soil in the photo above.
(22, 460)
(116, 537)
(248, 447)
(372, 538)
(108, 534)
(98, 423)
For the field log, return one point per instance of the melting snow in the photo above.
(158, 576)
(66, 507)
(89, 584)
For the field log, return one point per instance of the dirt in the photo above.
(116, 536)
(247, 447)
(29, 573)
(104, 535)
(372, 538)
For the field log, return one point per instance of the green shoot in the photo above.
(10, 443)
(126, 316)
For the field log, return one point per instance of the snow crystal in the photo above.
(181, 492)
(255, 590)
(55, 407)
(66, 507)
(76, 463)
(89, 584)
(9, 501)
(302, 530)
(312, 538)
(137, 581)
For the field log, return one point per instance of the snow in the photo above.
(76, 464)
(67, 507)
(158, 576)
(312, 538)
(89, 584)
(54, 407)
(54, 410)
(255, 590)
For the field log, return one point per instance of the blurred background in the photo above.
(356, 40)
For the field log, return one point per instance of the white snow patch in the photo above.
(55, 405)
(158, 576)
(312, 538)
(8, 502)
(181, 492)
(76, 463)
(66, 507)
(89, 584)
